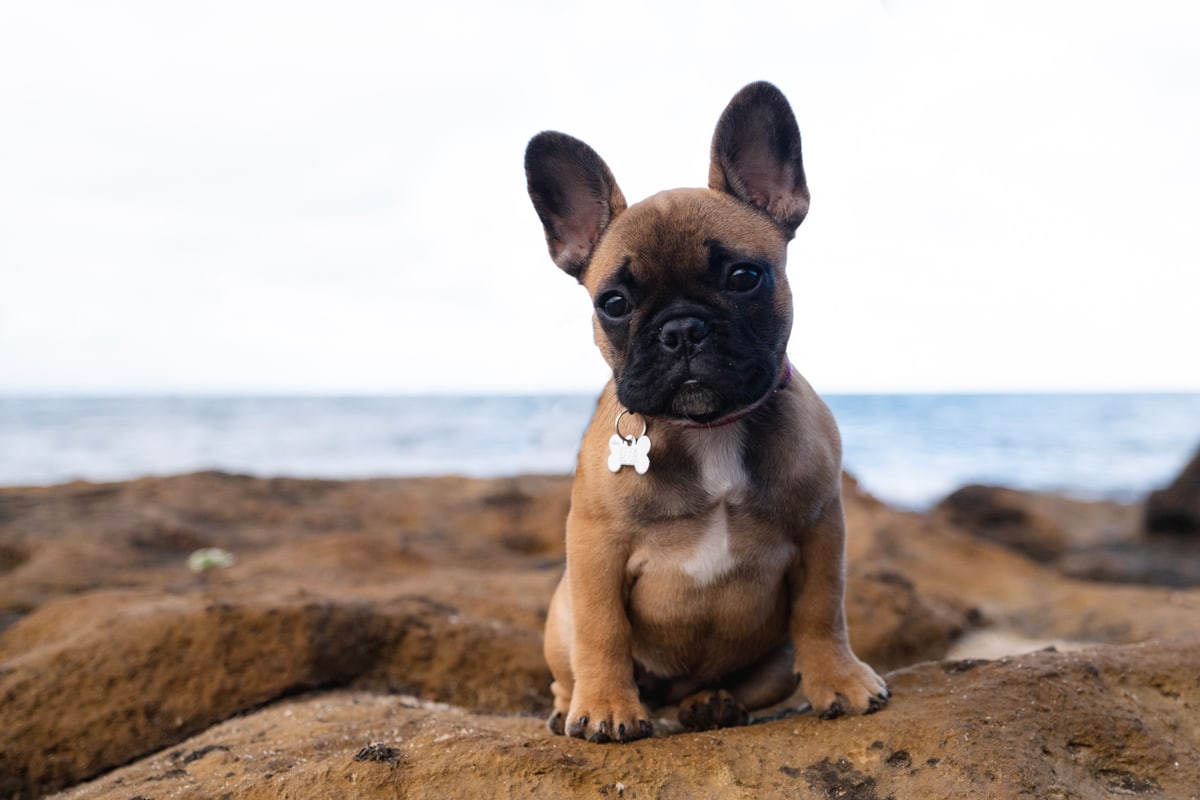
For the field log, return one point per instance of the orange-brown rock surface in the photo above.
(382, 638)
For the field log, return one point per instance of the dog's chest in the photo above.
(721, 473)
(720, 462)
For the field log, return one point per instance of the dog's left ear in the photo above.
(756, 155)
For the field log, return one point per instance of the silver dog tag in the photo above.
(629, 450)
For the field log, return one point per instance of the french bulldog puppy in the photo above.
(706, 539)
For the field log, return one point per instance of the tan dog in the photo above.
(705, 541)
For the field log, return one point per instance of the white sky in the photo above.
(261, 196)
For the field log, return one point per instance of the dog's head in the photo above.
(692, 306)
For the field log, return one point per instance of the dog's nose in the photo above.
(683, 334)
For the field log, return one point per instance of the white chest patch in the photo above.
(718, 453)
(711, 558)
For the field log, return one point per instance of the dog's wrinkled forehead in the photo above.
(680, 235)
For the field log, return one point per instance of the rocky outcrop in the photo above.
(383, 639)
(1089, 539)
(1176, 508)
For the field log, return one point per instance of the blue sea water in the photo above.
(907, 449)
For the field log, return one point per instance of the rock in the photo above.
(1090, 539)
(1102, 722)
(1176, 509)
(1042, 526)
(148, 669)
(999, 515)
(382, 638)
(1156, 560)
(894, 624)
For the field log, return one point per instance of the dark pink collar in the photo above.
(785, 378)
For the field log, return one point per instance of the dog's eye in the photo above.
(744, 278)
(614, 305)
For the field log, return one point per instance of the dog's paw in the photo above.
(711, 709)
(843, 685)
(602, 723)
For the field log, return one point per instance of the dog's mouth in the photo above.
(691, 401)
(706, 389)
(696, 402)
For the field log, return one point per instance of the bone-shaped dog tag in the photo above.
(628, 450)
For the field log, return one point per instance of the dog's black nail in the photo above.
(874, 704)
(555, 723)
(621, 731)
(646, 726)
(833, 712)
(601, 735)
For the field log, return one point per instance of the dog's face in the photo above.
(692, 306)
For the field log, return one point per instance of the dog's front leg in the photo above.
(604, 701)
(833, 679)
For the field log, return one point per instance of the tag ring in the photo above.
(617, 425)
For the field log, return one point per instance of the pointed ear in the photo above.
(575, 196)
(756, 155)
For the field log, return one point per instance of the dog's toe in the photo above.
(640, 730)
(600, 734)
(834, 710)
(577, 727)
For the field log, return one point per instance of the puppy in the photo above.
(705, 541)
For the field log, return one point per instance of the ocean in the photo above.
(907, 449)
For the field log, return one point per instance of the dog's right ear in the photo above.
(575, 196)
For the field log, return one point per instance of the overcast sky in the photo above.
(261, 196)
